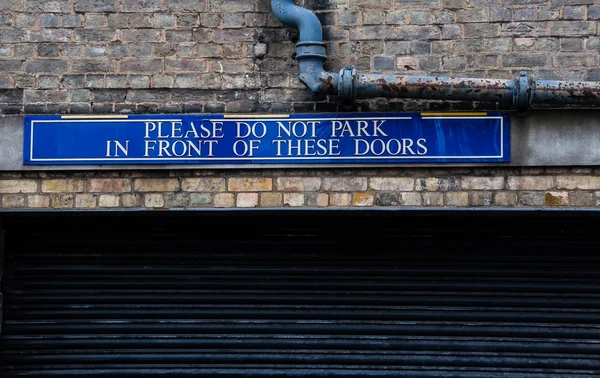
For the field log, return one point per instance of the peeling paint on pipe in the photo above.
(435, 88)
(349, 85)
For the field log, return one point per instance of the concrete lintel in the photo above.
(540, 138)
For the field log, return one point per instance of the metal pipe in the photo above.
(435, 88)
(349, 85)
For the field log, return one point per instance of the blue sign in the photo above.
(268, 139)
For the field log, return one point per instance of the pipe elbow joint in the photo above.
(310, 82)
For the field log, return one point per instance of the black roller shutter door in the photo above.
(301, 294)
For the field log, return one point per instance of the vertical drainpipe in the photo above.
(349, 85)
(310, 50)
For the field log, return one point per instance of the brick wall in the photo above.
(358, 188)
(180, 56)
(148, 56)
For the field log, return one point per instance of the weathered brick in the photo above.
(185, 65)
(392, 183)
(532, 198)
(141, 35)
(578, 182)
(271, 199)
(47, 65)
(38, 202)
(530, 183)
(141, 95)
(433, 199)
(371, 32)
(457, 199)
(525, 29)
(62, 201)
(387, 199)
(293, 199)
(500, 15)
(250, 184)
(572, 2)
(204, 184)
(131, 200)
(481, 30)
(524, 14)
(12, 5)
(63, 186)
(556, 198)
(340, 199)
(411, 33)
(481, 198)
(471, 15)
(576, 60)
(48, 50)
(525, 60)
(382, 4)
(298, 184)
(186, 5)
(140, 65)
(46, 96)
(93, 65)
(482, 183)
(85, 201)
(11, 96)
(95, 5)
(313, 199)
(410, 199)
(51, 6)
(49, 20)
(524, 2)
(224, 200)
(416, 17)
(156, 185)
(154, 200)
(344, 184)
(140, 5)
(507, 199)
(12, 35)
(574, 13)
(227, 36)
(363, 199)
(13, 201)
(109, 185)
(200, 199)
(572, 28)
(581, 199)
(11, 65)
(231, 6)
(177, 200)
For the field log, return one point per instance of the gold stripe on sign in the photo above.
(454, 114)
(256, 116)
(94, 117)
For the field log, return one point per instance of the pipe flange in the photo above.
(311, 50)
(347, 85)
(522, 92)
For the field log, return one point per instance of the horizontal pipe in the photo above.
(349, 85)
(554, 92)
(435, 88)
